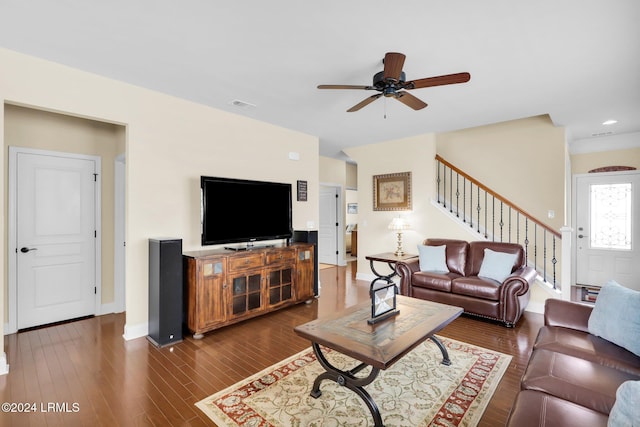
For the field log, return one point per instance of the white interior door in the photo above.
(608, 229)
(328, 229)
(55, 238)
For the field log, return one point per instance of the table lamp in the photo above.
(399, 225)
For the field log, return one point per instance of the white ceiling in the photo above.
(576, 60)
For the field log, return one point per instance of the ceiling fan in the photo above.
(391, 82)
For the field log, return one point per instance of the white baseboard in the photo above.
(107, 309)
(535, 307)
(110, 308)
(367, 277)
(132, 332)
(4, 368)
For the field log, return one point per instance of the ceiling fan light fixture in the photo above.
(389, 91)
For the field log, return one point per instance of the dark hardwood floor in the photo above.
(85, 373)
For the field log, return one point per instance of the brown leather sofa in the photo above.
(461, 285)
(572, 376)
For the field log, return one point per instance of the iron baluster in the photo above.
(554, 260)
(526, 238)
(471, 204)
(450, 190)
(457, 194)
(535, 244)
(544, 255)
(486, 225)
(464, 199)
(438, 180)
(510, 223)
(444, 187)
(478, 209)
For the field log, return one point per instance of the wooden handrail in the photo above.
(499, 197)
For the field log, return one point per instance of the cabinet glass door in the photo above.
(246, 293)
(280, 286)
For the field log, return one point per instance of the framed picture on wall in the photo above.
(352, 208)
(392, 192)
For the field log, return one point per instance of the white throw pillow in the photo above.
(433, 258)
(625, 411)
(616, 316)
(497, 265)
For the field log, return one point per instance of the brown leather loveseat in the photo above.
(503, 297)
(573, 377)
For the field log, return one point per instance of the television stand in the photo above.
(224, 287)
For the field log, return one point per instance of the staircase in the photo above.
(493, 217)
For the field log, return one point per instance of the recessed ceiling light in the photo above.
(609, 122)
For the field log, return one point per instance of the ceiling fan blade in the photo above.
(410, 101)
(364, 103)
(447, 79)
(393, 63)
(343, 87)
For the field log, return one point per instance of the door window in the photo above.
(611, 216)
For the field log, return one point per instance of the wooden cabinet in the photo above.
(305, 271)
(224, 287)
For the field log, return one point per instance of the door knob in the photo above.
(24, 250)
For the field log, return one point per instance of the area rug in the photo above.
(416, 391)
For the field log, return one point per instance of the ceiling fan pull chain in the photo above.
(385, 107)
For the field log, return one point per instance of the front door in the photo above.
(608, 229)
(55, 237)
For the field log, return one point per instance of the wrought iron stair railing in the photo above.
(496, 218)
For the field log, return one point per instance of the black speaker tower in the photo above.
(165, 291)
(308, 236)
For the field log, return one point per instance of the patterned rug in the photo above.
(416, 391)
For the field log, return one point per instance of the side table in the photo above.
(391, 259)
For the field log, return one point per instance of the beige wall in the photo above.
(169, 143)
(583, 163)
(25, 127)
(352, 176)
(535, 171)
(391, 157)
(333, 171)
(523, 160)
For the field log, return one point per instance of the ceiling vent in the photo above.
(602, 133)
(242, 104)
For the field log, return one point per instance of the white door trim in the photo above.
(12, 247)
(119, 261)
(341, 258)
(574, 214)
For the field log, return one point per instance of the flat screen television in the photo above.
(238, 210)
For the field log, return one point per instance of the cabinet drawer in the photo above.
(281, 257)
(244, 262)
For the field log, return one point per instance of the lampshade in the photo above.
(399, 224)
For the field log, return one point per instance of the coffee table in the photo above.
(379, 345)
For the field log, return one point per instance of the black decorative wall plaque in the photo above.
(302, 191)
